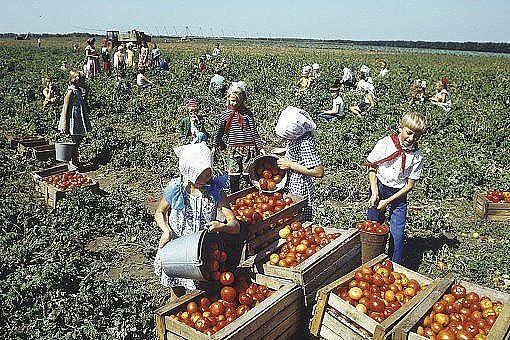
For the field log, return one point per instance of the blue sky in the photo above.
(448, 20)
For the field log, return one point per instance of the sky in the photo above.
(428, 20)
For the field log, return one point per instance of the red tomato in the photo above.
(216, 308)
(458, 291)
(288, 201)
(267, 174)
(202, 324)
(376, 305)
(245, 299)
(228, 294)
(205, 303)
(192, 307)
(263, 183)
(226, 278)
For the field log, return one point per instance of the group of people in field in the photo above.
(196, 199)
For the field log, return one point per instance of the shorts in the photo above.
(239, 159)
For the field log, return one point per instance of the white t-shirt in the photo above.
(140, 81)
(339, 102)
(390, 172)
(384, 72)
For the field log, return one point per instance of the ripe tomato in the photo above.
(226, 278)
(263, 183)
(267, 174)
(228, 294)
(216, 308)
(288, 201)
(458, 291)
(192, 307)
(376, 304)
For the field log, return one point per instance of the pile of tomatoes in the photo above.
(209, 315)
(269, 175)
(378, 291)
(301, 243)
(498, 196)
(460, 315)
(214, 262)
(254, 207)
(66, 180)
(372, 227)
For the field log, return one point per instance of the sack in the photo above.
(293, 123)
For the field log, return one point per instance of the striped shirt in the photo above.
(244, 134)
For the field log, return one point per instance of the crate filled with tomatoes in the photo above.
(262, 215)
(53, 183)
(311, 256)
(369, 301)
(240, 308)
(493, 205)
(458, 310)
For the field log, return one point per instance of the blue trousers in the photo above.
(398, 213)
(199, 138)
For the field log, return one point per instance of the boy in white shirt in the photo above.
(394, 165)
(337, 109)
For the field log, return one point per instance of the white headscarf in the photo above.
(293, 123)
(193, 160)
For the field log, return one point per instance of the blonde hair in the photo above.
(239, 90)
(74, 77)
(414, 121)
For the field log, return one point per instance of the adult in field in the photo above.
(119, 59)
(143, 58)
(130, 56)
(74, 117)
(337, 109)
(237, 134)
(192, 127)
(191, 203)
(92, 67)
(141, 80)
(442, 96)
(394, 165)
(105, 55)
(155, 56)
(301, 159)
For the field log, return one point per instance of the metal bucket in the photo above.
(184, 256)
(64, 151)
(254, 177)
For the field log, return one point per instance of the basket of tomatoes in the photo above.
(374, 236)
(265, 174)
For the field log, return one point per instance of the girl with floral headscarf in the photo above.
(190, 203)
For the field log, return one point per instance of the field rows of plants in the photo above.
(83, 269)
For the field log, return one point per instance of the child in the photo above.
(316, 71)
(384, 70)
(192, 127)
(119, 59)
(417, 90)
(348, 79)
(155, 55)
(302, 158)
(368, 100)
(74, 118)
(105, 55)
(217, 83)
(337, 109)
(442, 97)
(141, 80)
(305, 80)
(49, 92)
(130, 55)
(394, 165)
(243, 142)
(123, 88)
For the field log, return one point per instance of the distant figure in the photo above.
(384, 70)
(368, 101)
(348, 79)
(130, 56)
(92, 67)
(442, 97)
(217, 83)
(337, 109)
(119, 59)
(217, 51)
(143, 58)
(39, 42)
(163, 65)
(49, 91)
(75, 47)
(141, 80)
(192, 127)
(202, 66)
(155, 55)
(364, 71)
(316, 71)
(123, 88)
(105, 55)
(417, 90)
(63, 66)
(305, 79)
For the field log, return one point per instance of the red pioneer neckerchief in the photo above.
(233, 112)
(400, 152)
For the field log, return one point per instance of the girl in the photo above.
(141, 80)
(190, 203)
(243, 142)
(119, 59)
(155, 55)
(418, 90)
(74, 118)
(442, 97)
(348, 80)
(143, 58)
(49, 92)
(305, 80)
(130, 55)
(302, 159)
(92, 67)
(338, 104)
(105, 55)
(192, 127)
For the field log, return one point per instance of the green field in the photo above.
(84, 269)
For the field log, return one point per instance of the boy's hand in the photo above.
(284, 164)
(215, 225)
(165, 238)
(373, 200)
(382, 204)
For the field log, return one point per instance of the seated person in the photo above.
(163, 65)
(348, 79)
(123, 88)
(418, 90)
(217, 83)
(337, 110)
(305, 80)
(442, 97)
(141, 80)
(192, 127)
(368, 101)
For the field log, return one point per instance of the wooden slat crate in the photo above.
(50, 193)
(277, 317)
(40, 152)
(26, 140)
(490, 211)
(259, 236)
(335, 318)
(406, 329)
(338, 257)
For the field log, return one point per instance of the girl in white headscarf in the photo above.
(190, 204)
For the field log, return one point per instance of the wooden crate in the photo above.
(40, 152)
(340, 256)
(406, 329)
(335, 318)
(260, 235)
(26, 140)
(277, 317)
(490, 211)
(50, 193)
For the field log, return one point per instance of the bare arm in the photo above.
(63, 126)
(232, 226)
(405, 189)
(334, 109)
(161, 217)
(285, 164)
(372, 200)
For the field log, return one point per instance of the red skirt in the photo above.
(106, 66)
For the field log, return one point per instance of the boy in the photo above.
(192, 127)
(394, 165)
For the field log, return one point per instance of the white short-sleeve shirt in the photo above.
(390, 172)
(339, 102)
